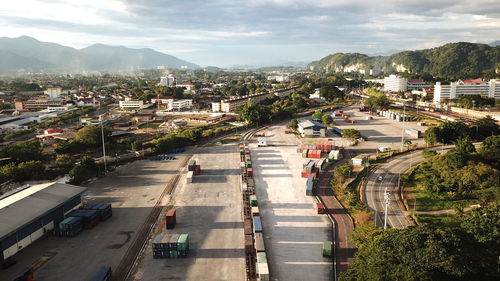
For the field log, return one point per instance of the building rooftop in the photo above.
(309, 123)
(27, 205)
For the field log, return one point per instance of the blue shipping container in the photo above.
(257, 225)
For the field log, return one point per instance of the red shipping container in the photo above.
(197, 170)
(341, 111)
(249, 172)
(171, 216)
(242, 147)
(320, 209)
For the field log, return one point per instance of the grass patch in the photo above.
(426, 201)
(447, 221)
(231, 139)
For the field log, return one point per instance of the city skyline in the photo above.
(257, 32)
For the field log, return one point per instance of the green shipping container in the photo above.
(173, 254)
(183, 242)
(327, 249)
(248, 159)
(242, 152)
(61, 224)
(261, 257)
(253, 200)
(249, 164)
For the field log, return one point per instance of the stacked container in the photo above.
(253, 200)
(161, 246)
(309, 185)
(170, 246)
(197, 170)
(104, 210)
(263, 271)
(249, 172)
(189, 177)
(69, 227)
(183, 245)
(90, 218)
(259, 243)
(309, 170)
(171, 219)
(191, 165)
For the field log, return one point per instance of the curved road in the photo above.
(390, 173)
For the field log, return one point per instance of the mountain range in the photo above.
(26, 54)
(450, 60)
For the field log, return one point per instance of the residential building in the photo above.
(169, 80)
(16, 123)
(186, 85)
(309, 128)
(37, 105)
(216, 107)
(278, 78)
(182, 104)
(489, 89)
(59, 108)
(53, 93)
(87, 102)
(163, 102)
(413, 84)
(394, 83)
(131, 104)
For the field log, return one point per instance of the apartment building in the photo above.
(394, 83)
(489, 89)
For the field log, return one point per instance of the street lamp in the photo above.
(387, 200)
(103, 146)
(403, 129)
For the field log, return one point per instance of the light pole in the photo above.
(403, 129)
(387, 199)
(103, 146)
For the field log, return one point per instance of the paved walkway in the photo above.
(344, 225)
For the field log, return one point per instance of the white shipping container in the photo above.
(12, 250)
(263, 271)
(49, 226)
(24, 242)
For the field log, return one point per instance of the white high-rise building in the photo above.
(169, 80)
(489, 89)
(394, 83)
(53, 93)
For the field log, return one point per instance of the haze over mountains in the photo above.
(30, 55)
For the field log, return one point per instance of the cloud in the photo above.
(226, 32)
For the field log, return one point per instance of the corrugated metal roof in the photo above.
(27, 205)
(308, 123)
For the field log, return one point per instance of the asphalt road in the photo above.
(389, 173)
(375, 188)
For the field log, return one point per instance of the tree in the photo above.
(429, 153)
(65, 161)
(352, 134)
(432, 135)
(485, 127)
(452, 131)
(88, 163)
(490, 150)
(464, 146)
(249, 113)
(22, 152)
(294, 124)
(317, 114)
(90, 136)
(327, 119)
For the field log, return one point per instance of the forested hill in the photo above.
(451, 60)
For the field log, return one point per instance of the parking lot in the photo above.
(133, 190)
(380, 131)
(210, 210)
(293, 232)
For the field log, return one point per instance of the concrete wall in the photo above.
(475, 113)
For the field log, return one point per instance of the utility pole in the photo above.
(403, 129)
(103, 146)
(387, 199)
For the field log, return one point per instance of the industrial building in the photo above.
(309, 128)
(29, 213)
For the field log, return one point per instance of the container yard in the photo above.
(209, 210)
(133, 190)
(292, 231)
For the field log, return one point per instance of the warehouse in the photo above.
(309, 128)
(29, 213)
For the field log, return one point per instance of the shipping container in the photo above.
(261, 257)
(255, 211)
(320, 209)
(191, 165)
(327, 249)
(183, 242)
(90, 218)
(253, 200)
(257, 226)
(171, 219)
(249, 172)
(165, 242)
(104, 210)
(263, 271)
(259, 243)
(157, 242)
(173, 242)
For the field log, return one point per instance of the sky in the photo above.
(254, 32)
